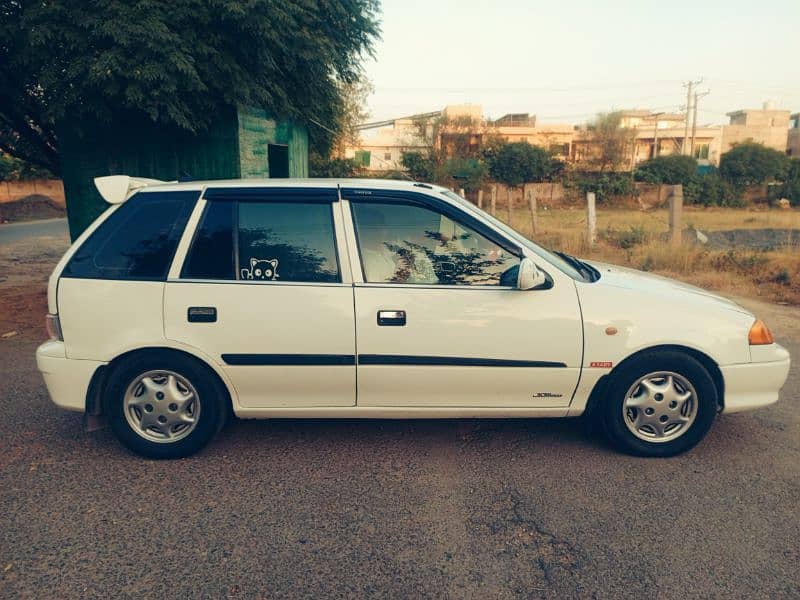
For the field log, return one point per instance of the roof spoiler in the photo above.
(115, 189)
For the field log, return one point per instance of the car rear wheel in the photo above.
(660, 403)
(164, 405)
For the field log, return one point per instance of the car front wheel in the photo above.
(660, 404)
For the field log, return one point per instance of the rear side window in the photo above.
(211, 255)
(264, 241)
(137, 241)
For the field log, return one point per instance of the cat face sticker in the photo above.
(261, 270)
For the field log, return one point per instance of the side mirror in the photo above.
(530, 276)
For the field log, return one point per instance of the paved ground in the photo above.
(28, 229)
(493, 509)
(499, 509)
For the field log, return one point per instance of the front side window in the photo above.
(402, 243)
(264, 241)
(137, 241)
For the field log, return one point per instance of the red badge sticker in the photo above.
(601, 365)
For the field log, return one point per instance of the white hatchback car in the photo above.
(185, 302)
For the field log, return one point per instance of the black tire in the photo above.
(612, 415)
(212, 396)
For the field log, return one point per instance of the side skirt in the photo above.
(399, 412)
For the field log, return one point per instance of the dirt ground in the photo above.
(25, 266)
(30, 208)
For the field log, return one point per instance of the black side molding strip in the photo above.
(289, 359)
(317, 360)
(452, 361)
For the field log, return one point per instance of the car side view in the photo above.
(184, 303)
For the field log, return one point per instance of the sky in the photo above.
(565, 61)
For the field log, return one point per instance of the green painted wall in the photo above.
(234, 146)
(257, 130)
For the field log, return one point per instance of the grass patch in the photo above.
(638, 239)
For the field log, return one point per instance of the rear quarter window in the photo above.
(137, 241)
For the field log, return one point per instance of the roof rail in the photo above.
(115, 189)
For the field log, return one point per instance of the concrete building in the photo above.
(462, 129)
(766, 126)
(793, 137)
(382, 147)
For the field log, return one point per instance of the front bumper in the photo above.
(67, 379)
(753, 385)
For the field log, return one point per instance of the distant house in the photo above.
(243, 142)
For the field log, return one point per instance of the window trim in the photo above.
(452, 213)
(264, 195)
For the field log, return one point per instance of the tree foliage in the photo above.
(176, 62)
(604, 185)
(519, 162)
(14, 169)
(751, 163)
(466, 173)
(323, 166)
(420, 166)
(670, 170)
(613, 142)
(791, 185)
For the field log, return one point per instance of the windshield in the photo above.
(554, 259)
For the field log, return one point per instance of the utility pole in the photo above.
(694, 118)
(689, 85)
(655, 134)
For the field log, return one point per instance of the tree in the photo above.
(176, 63)
(613, 142)
(320, 166)
(466, 173)
(751, 163)
(519, 162)
(791, 186)
(420, 166)
(670, 170)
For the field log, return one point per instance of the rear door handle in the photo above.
(202, 314)
(391, 318)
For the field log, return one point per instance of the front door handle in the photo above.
(392, 318)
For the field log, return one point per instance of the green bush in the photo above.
(791, 186)
(671, 170)
(711, 190)
(320, 166)
(604, 185)
(420, 166)
(751, 164)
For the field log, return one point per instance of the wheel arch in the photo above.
(95, 395)
(598, 392)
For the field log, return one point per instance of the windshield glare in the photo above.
(543, 253)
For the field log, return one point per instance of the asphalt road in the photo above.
(10, 232)
(401, 509)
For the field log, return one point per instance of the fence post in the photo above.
(461, 193)
(509, 201)
(494, 200)
(591, 219)
(480, 199)
(534, 212)
(675, 210)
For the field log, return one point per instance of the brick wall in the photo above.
(14, 190)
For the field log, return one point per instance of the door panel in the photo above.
(284, 345)
(468, 347)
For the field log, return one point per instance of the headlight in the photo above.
(760, 334)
